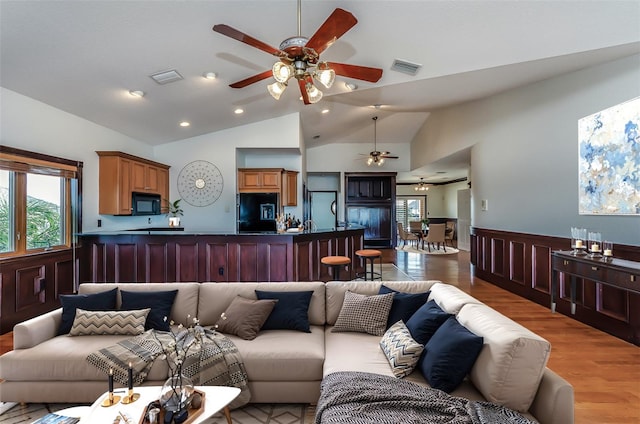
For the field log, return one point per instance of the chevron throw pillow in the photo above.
(88, 323)
(401, 350)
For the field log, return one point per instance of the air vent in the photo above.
(405, 67)
(166, 77)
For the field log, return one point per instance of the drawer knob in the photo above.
(594, 268)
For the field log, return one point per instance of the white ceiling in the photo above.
(84, 56)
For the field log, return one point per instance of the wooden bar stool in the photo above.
(371, 255)
(335, 263)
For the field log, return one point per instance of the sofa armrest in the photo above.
(554, 402)
(36, 330)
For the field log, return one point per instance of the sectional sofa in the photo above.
(287, 366)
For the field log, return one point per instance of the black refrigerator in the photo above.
(257, 212)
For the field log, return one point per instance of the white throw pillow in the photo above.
(401, 350)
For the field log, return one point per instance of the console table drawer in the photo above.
(624, 280)
(591, 271)
(563, 265)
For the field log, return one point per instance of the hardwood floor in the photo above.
(604, 370)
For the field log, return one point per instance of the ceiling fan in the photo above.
(299, 58)
(377, 157)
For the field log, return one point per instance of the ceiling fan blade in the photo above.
(358, 72)
(251, 80)
(389, 157)
(303, 91)
(339, 22)
(247, 39)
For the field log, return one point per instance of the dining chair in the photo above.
(436, 235)
(406, 236)
(449, 232)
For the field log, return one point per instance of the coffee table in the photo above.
(216, 398)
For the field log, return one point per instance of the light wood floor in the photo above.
(604, 370)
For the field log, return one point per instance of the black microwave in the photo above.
(145, 204)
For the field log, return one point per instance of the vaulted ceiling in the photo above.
(84, 56)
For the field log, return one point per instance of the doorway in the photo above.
(323, 209)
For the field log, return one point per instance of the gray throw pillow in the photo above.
(88, 323)
(364, 314)
(244, 317)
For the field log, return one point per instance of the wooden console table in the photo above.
(619, 273)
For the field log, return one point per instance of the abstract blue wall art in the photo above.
(609, 161)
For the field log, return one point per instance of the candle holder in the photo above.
(130, 397)
(578, 240)
(595, 245)
(607, 250)
(110, 400)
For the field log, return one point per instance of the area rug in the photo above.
(441, 251)
(253, 413)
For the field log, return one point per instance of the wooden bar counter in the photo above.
(174, 256)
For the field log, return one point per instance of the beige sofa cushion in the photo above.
(512, 360)
(69, 363)
(283, 355)
(184, 306)
(215, 298)
(336, 290)
(450, 298)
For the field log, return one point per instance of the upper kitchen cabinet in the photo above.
(121, 174)
(259, 180)
(290, 188)
(369, 188)
(270, 180)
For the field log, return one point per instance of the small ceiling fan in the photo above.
(299, 58)
(377, 157)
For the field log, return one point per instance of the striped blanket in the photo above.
(364, 398)
(216, 362)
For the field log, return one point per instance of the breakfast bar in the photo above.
(161, 256)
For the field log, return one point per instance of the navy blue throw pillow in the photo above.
(426, 321)
(160, 303)
(291, 312)
(449, 355)
(404, 304)
(102, 301)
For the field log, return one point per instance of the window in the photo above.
(410, 208)
(38, 202)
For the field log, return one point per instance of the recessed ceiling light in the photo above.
(136, 93)
(185, 124)
(325, 110)
(238, 111)
(351, 86)
(210, 75)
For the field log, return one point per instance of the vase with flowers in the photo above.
(180, 348)
(177, 391)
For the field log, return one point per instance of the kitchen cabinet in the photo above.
(270, 180)
(368, 189)
(370, 202)
(144, 178)
(259, 180)
(290, 188)
(120, 174)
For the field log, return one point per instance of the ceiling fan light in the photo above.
(369, 161)
(313, 93)
(276, 89)
(282, 72)
(381, 162)
(326, 77)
